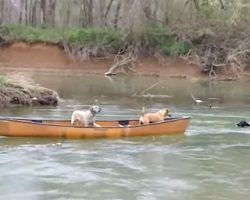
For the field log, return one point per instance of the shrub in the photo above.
(30, 34)
(111, 39)
(156, 37)
(175, 48)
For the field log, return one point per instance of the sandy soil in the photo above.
(20, 57)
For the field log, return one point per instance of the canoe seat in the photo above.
(123, 122)
(37, 121)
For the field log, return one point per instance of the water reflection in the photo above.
(88, 88)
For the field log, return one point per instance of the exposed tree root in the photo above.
(81, 52)
(219, 51)
(124, 62)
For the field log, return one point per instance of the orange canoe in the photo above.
(108, 129)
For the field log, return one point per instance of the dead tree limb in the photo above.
(124, 65)
(152, 86)
(124, 62)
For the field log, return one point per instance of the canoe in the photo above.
(108, 129)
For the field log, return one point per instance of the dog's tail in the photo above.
(141, 120)
(72, 121)
(193, 97)
(143, 111)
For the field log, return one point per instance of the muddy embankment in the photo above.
(20, 56)
(18, 89)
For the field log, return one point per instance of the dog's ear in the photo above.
(100, 108)
(166, 112)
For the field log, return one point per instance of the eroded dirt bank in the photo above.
(20, 56)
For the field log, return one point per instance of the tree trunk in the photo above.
(20, 12)
(222, 7)
(2, 11)
(196, 5)
(83, 14)
(156, 9)
(101, 13)
(147, 9)
(117, 14)
(26, 12)
(51, 13)
(43, 12)
(33, 17)
(90, 13)
(30, 12)
(107, 12)
(67, 14)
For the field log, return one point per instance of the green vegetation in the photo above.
(174, 48)
(30, 34)
(110, 40)
(166, 42)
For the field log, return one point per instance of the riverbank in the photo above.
(20, 56)
(155, 52)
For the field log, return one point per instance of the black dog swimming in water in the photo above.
(243, 124)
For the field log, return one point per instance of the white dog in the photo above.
(85, 118)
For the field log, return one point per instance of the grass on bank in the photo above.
(154, 39)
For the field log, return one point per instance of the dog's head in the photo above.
(95, 109)
(243, 124)
(164, 112)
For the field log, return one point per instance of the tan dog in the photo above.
(154, 117)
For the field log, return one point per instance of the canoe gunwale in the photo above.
(40, 122)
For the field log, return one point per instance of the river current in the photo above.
(211, 161)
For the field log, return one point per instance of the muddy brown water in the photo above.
(211, 161)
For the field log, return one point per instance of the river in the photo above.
(211, 161)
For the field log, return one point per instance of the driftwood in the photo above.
(148, 88)
(154, 96)
(124, 62)
(145, 94)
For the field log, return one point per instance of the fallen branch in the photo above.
(122, 66)
(145, 90)
(154, 96)
(123, 62)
